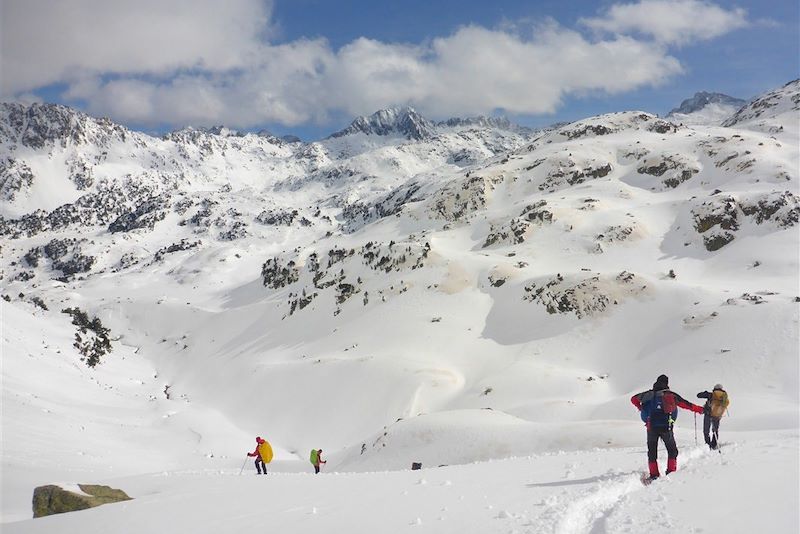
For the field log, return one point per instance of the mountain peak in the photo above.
(702, 99)
(405, 121)
(194, 131)
(41, 123)
(481, 121)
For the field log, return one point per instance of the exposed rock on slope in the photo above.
(48, 500)
(583, 297)
(718, 219)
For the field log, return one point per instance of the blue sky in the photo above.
(308, 66)
(743, 63)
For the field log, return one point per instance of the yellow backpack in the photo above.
(265, 451)
(719, 402)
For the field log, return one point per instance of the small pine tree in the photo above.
(92, 338)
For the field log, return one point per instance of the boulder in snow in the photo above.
(52, 499)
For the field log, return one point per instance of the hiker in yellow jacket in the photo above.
(262, 454)
(716, 403)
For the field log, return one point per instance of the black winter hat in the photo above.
(662, 382)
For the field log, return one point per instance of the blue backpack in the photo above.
(660, 410)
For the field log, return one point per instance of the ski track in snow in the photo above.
(584, 513)
(588, 511)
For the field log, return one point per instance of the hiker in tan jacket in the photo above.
(717, 402)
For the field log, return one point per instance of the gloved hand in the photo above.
(697, 409)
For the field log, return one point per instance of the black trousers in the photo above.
(259, 464)
(710, 423)
(316, 469)
(665, 435)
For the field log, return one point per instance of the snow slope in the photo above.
(587, 491)
(479, 293)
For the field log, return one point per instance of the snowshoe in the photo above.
(647, 478)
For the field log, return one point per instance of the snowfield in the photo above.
(471, 295)
(592, 490)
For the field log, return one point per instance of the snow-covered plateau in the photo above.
(478, 297)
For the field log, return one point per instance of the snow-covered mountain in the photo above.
(706, 108)
(774, 112)
(703, 99)
(401, 291)
(399, 121)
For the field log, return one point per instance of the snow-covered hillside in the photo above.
(402, 291)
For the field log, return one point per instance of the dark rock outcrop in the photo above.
(51, 499)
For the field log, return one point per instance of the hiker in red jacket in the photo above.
(257, 453)
(658, 408)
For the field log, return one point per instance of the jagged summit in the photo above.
(706, 109)
(405, 121)
(288, 138)
(482, 121)
(194, 133)
(702, 99)
(220, 130)
(225, 131)
(409, 123)
(39, 124)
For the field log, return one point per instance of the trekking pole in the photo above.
(242, 469)
(695, 428)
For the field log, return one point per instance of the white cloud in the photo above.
(46, 41)
(190, 62)
(475, 70)
(670, 21)
(481, 69)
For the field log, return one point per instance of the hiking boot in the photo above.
(672, 465)
(652, 467)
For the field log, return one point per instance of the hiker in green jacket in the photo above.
(316, 459)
